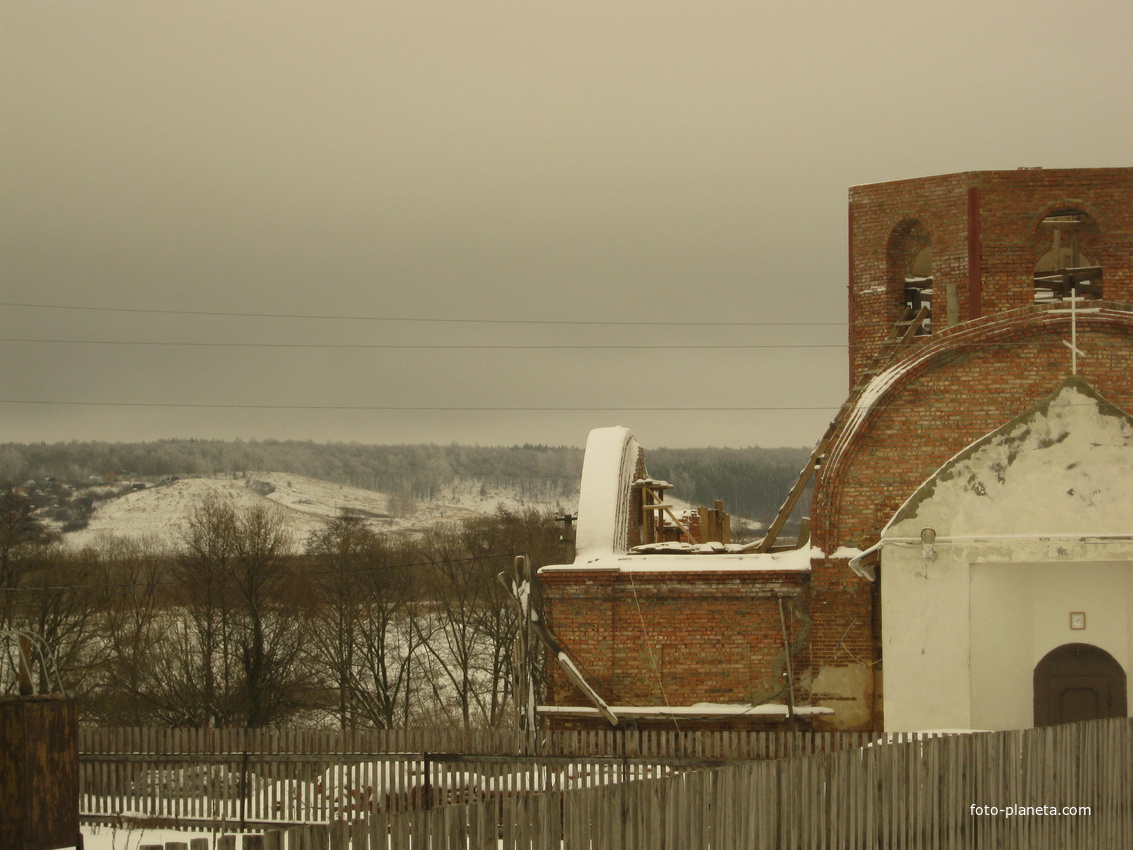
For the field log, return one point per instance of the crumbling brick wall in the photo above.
(676, 638)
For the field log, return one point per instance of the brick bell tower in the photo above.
(959, 289)
(969, 245)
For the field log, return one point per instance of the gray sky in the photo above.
(524, 161)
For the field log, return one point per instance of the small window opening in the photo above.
(1065, 266)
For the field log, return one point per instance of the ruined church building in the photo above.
(969, 562)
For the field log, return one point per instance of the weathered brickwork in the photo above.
(988, 218)
(964, 383)
(992, 353)
(675, 638)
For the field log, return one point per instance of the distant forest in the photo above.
(752, 481)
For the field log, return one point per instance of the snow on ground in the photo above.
(110, 838)
(160, 512)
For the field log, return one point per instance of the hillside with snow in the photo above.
(160, 512)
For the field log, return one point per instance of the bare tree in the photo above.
(363, 627)
(497, 540)
(237, 655)
(455, 644)
(134, 615)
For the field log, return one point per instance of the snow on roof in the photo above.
(603, 502)
(673, 547)
(794, 560)
(1062, 467)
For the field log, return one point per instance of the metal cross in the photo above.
(1073, 343)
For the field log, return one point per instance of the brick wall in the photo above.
(699, 636)
(970, 381)
(989, 216)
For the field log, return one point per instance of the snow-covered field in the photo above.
(160, 512)
(110, 838)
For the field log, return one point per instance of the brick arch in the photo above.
(973, 338)
(1069, 203)
(908, 255)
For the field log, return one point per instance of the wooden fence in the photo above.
(1075, 783)
(253, 777)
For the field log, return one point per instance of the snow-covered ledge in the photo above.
(795, 560)
(705, 710)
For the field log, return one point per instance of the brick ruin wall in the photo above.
(677, 638)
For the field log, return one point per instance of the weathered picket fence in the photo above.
(226, 776)
(1075, 782)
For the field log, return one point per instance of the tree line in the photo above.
(752, 481)
(241, 625)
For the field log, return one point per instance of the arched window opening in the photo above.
(1065, 244)
(1078, 681)
(910, 272)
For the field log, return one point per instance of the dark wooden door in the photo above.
(1078, 681)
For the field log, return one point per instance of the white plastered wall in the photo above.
(962, 632)
(1031, 523)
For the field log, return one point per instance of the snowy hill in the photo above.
(161, 511)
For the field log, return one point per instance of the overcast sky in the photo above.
(536, 170)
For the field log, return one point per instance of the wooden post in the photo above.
(24, 674)
(790, 669)
(39, 772)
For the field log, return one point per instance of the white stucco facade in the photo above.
(1029, 525)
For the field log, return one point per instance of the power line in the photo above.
(418, 345)
(451, 408)
(463, 408)
(428, 319)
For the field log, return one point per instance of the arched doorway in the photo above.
(1078, 681)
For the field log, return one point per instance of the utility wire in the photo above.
(430, 319)
(452, 408)
(457, 346)
(415, 345)
(465, 408)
